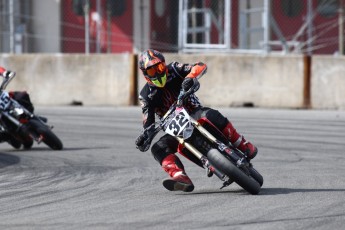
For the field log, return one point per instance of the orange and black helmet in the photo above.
(152, 64)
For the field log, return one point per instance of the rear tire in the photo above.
(252, 171)
(256, 175)
(233, 172)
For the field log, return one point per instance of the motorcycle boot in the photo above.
(239, 142)
(178, 181)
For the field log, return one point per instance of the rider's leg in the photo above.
(178, 178)
(162, 151)
(236, 139)
(239, 141)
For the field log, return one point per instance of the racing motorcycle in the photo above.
(212, 149)
(21, 126)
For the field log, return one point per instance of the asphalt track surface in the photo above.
(101, 181)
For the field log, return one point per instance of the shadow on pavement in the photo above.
(7, 160)
(279, 191)
(263, 191)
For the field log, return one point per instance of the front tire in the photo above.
(48, 137)
(14, 142)
(233, 172)
(28, 144)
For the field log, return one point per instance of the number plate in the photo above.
(178, 123)
(4, 100)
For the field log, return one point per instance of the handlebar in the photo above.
(151, 131)
(6, 80)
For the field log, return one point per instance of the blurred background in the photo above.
(184, 26)
(262, 53)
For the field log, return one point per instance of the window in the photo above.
(116, 7)
(292, 8)
(159, 7)
(328, 8)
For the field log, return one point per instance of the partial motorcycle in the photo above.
(19, 126)
(205, 143)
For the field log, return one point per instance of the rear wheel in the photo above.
(233, 172)
(252, 171)
(256, 175)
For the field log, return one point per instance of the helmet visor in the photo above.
(156, 69)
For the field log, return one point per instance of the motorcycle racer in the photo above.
(23, 98)
(164, 83)
(4, 72)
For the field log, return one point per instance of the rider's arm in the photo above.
(147, 112)
(190, 74)
(146, 106)
(2, 70)
(6, 73)
(196, 70)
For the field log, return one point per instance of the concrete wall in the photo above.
(235, 80)
(328, 82)
(272, 81)
(61, 79)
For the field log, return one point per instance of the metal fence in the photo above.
(116, 26)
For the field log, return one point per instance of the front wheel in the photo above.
(233, 172)
(48, 137)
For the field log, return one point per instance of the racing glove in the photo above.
(140, 141)
(144, 140)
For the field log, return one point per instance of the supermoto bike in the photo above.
(203, 140)
(22, 125)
